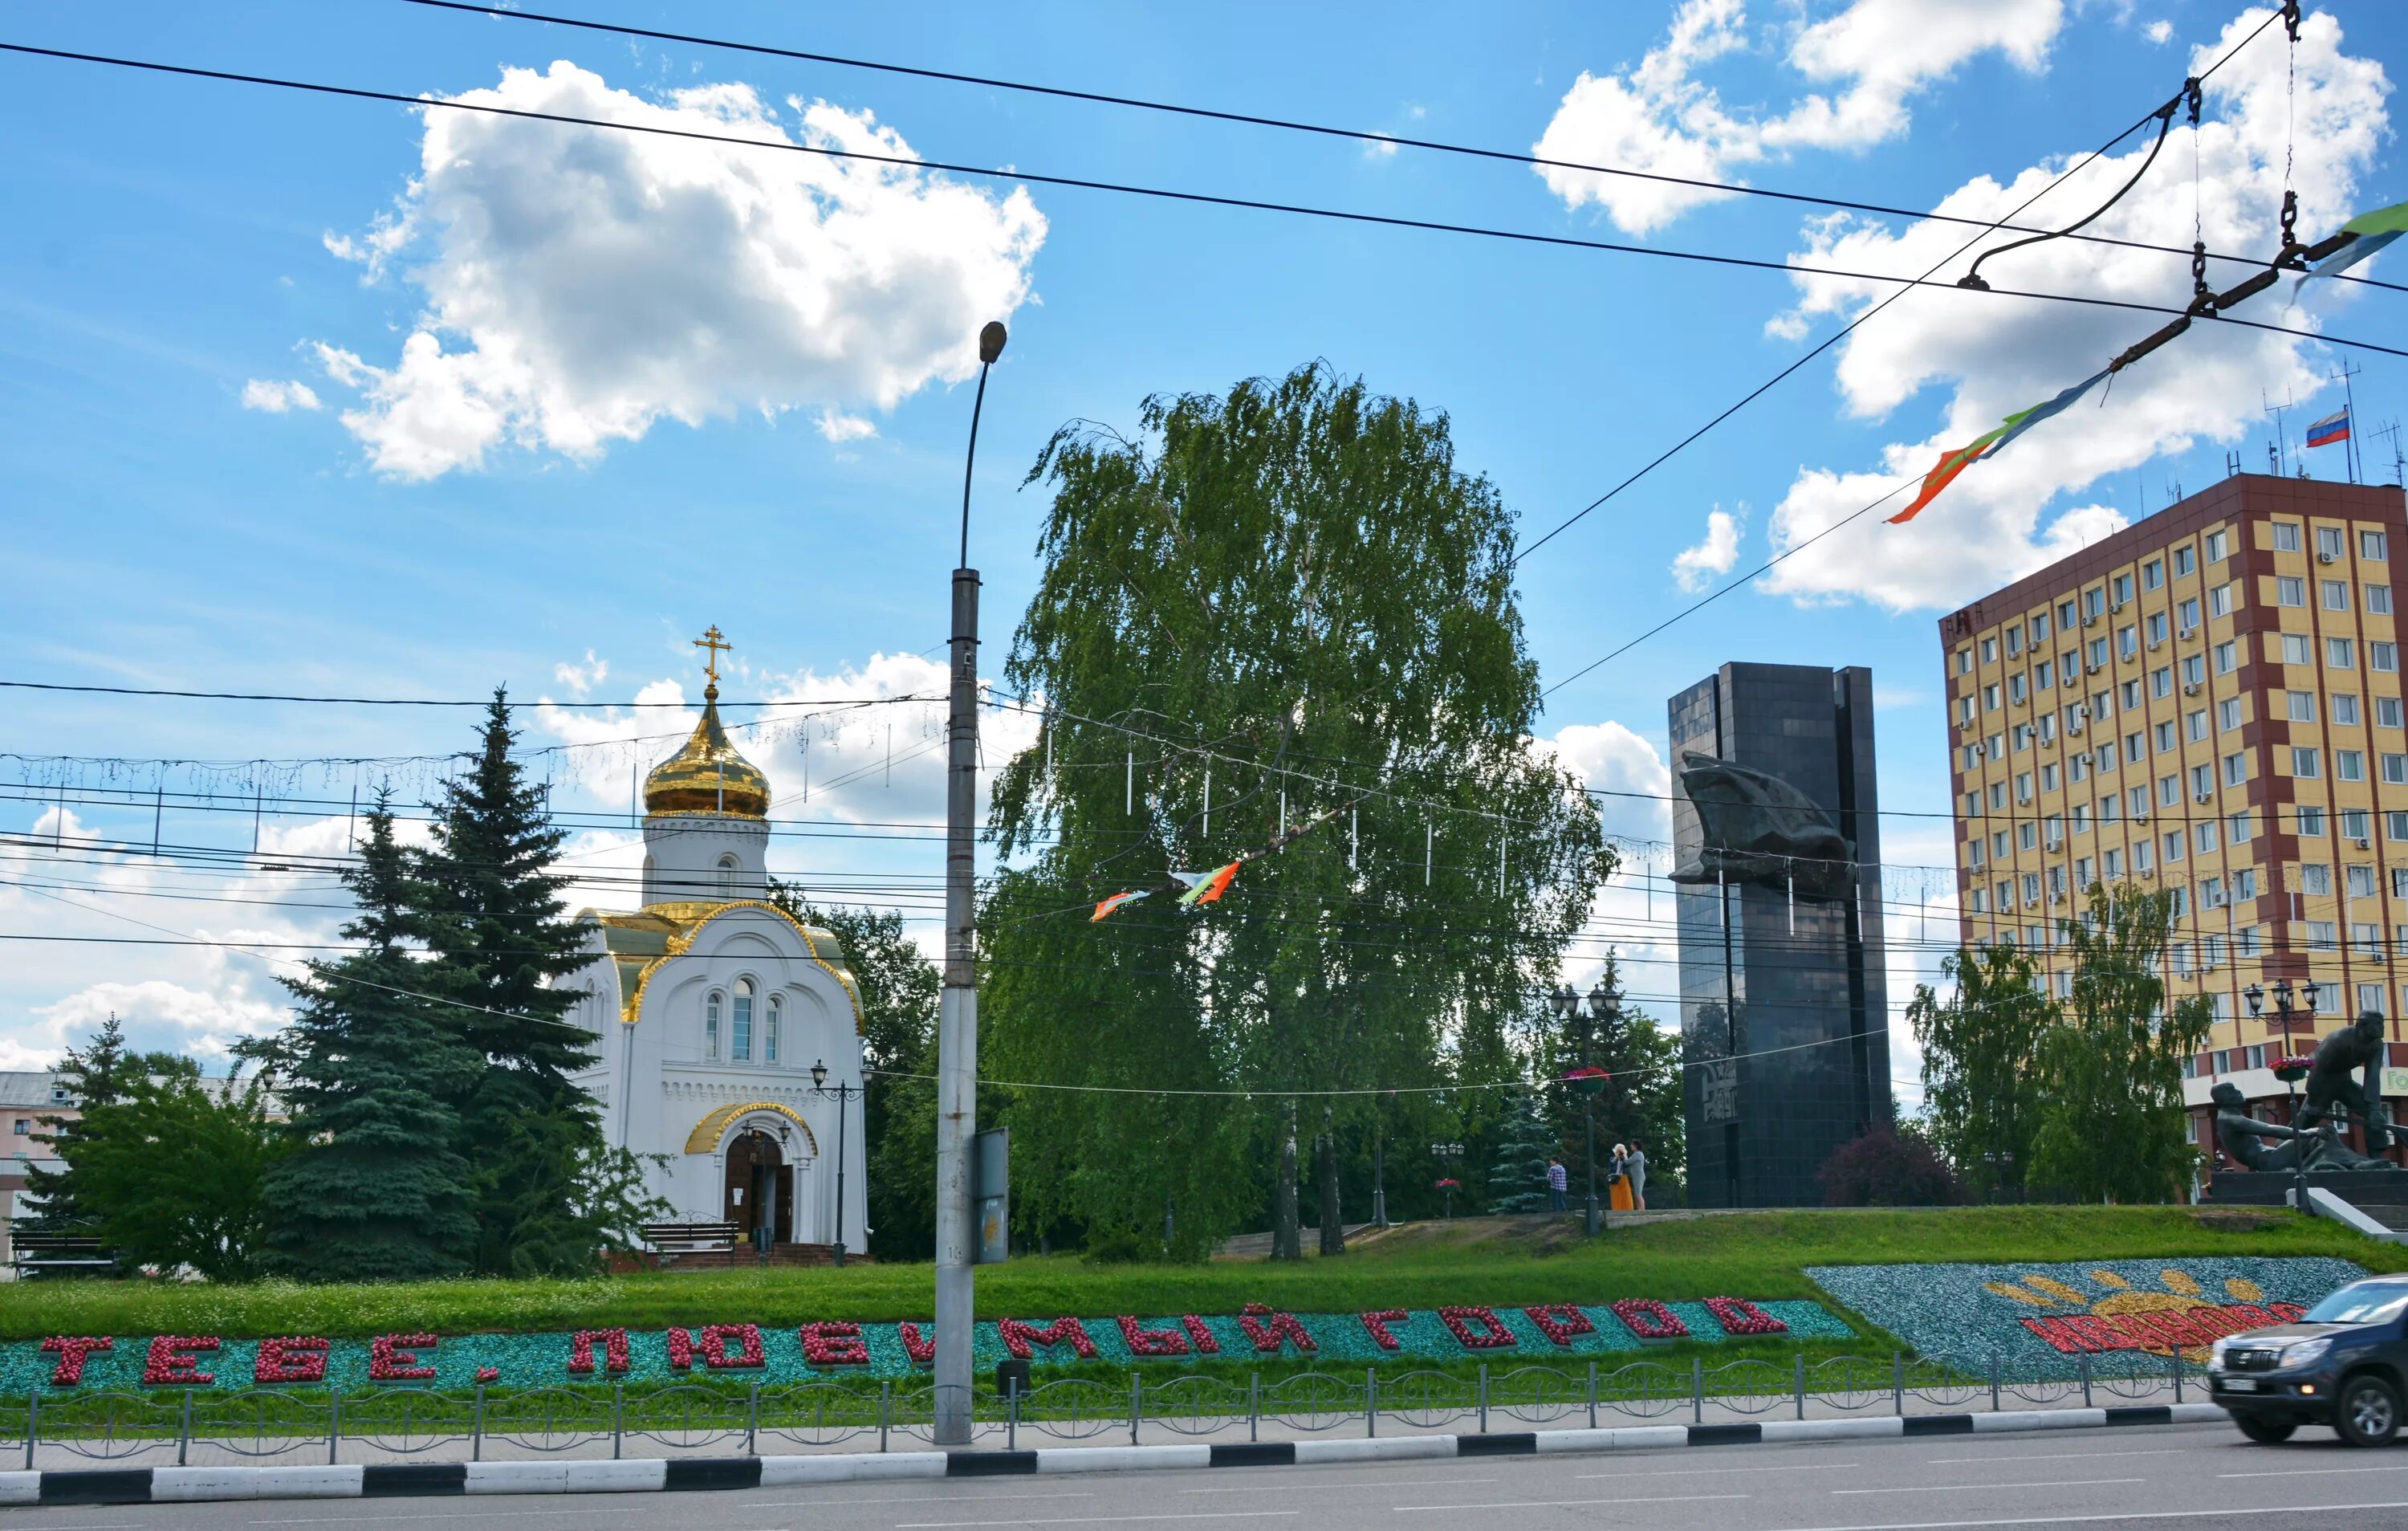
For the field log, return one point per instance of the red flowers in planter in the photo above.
(173, 1361)
(489, 1373)
(1450, 1185)
(680, 1342)
(296, 1358)
(1490, 1334)
(1142, 1341)
(71, 1351)
(1559, 1321)
(1018, 1336)
(614, 1350)
(834, 1344)
(1649, 1319)
(922, 1351)
(393, 1358)
(1376, 1324)
(1738, 1316)
(1269, 1337)
(1206, 1342)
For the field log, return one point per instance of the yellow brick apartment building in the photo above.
(2207, 702)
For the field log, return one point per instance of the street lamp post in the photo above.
(1448, 1155)
(957, 1008)
(1604, 1005)
(841, 1094)
(2283, 1013)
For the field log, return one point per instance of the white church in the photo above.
(726, 1029)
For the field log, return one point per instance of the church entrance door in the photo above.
(756, 1179)
(785, 1204)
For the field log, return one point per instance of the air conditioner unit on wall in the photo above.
(2191, 689)
(2326, 557)
(2203, 797)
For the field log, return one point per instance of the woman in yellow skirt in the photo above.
(1618, 1190)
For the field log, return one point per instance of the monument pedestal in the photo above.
(2272, 1188)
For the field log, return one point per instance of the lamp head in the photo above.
(818, 1073)
(991, 342)
(2255, 995)
(1604, 1000)
(1565, 1002)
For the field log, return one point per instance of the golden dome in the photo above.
(707, 775)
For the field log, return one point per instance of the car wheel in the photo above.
(2368, 1411)
(2266, 1432)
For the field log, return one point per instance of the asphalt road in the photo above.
(2181, 1476)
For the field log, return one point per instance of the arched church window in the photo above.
(727, 873)
(711, 1027)
(770, 1031)
(742, 1033)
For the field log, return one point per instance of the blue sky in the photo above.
(508, 457)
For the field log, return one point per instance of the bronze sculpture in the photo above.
(2240, 1136)
(1757, 827)
(2347, 1072)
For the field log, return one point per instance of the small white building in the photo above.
(712, 1007)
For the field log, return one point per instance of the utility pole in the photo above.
(957, 1007)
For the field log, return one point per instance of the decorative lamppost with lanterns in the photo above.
(2290, 1069)
(841, 1094)
(1604, 1006)
(1448, 1155)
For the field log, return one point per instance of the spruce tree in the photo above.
(374, 1188)
(1517, 1175)
(95, 1079)
(489, 909)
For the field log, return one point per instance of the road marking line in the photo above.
(1977, 1488)
(1719, 1472)
(500, 1515)
(2099, 1520)
(2310, 1472)
(1569, 1504)
(2049, 1456)
(1351, 1488)
(1103, 1520)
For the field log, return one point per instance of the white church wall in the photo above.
(703, 858)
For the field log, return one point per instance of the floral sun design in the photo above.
(2046, 1315)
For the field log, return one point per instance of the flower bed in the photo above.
(771, 1356)
(2045, 1315)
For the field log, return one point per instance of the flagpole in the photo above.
(2349, 400)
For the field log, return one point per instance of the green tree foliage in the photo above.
(899, 1036)
(1295, 583)
(1642, 1100)
(1889, 1166)
(1517, 1165)
(94, 1077)
(489, 909)
(375, 1188)
(2111, 1072)
(1981, 1065)
(174, 1166)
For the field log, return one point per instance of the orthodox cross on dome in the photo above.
(715, 641)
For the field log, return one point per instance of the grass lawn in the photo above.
(1497, 1261)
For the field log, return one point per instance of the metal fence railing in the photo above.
(157, 1428)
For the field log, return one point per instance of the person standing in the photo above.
(1556, 1182)
(1618, 1183)
(1634, 1168)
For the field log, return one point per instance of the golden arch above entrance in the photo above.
(713, 1126)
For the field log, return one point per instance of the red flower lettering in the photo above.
(1142, 1341)
(614, 1349)
(1649, 1319)
(922, 1351)
(680, 1350)
(1489, 1335)
(828, 1345)
(748, 1346)
(173, 1361)
(393, 1358)
(1738, 1316)
(1376, 1324)
(1206, 1342)
(1269, 1337)
(294, 1358)
(1559, 1321)
(1018, 1336)
(71, 1351)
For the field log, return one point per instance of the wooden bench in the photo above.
(673, 1238)
(35, 1254)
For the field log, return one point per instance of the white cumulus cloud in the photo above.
(275, 397)
(1696, 566)
(1871, 58)
(1996, 354)
(840, 428)
(583, 284)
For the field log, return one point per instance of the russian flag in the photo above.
(2332, 428)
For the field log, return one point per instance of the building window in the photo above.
(2296, 650)
(727, 875)
(2345, 711)
(2127, 642)
(769, 1029)
(2370, 546)
(2361, 884)
(2039, 629)
(2027, 836)
(2165, 733)
(2329, 543)
(2114, 861)
(2315, 880)
(2312, 823)
(2290, 590)
(1964, 662)
(2174, 850)
(2382, 657)
(2145, 856)
(741, 1033)
(2202, 780)
(2218, 546)
(2183, 561)
(2040, 673)
(2355, 824)
(1990, 651)
(2228, 713)
(2122, 589)
(2152, 574)
(2323, 935)
(2015, 641)
(2386, 712)
(22, 1127)
(2195, 724)
(2236, 768)
(2336, 594)
(2395, 769)
(2338, 654)
(2287, 537)
(2378, 600)
(2227, 658)
(711, 1027)
(2303, 762)
(2156, 625)
(2370, 997)
(2349, 765)
(2395, 826)
(2302, 705)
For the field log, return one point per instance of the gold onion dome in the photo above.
(707, 775)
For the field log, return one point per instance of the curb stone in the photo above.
(187, 1485)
